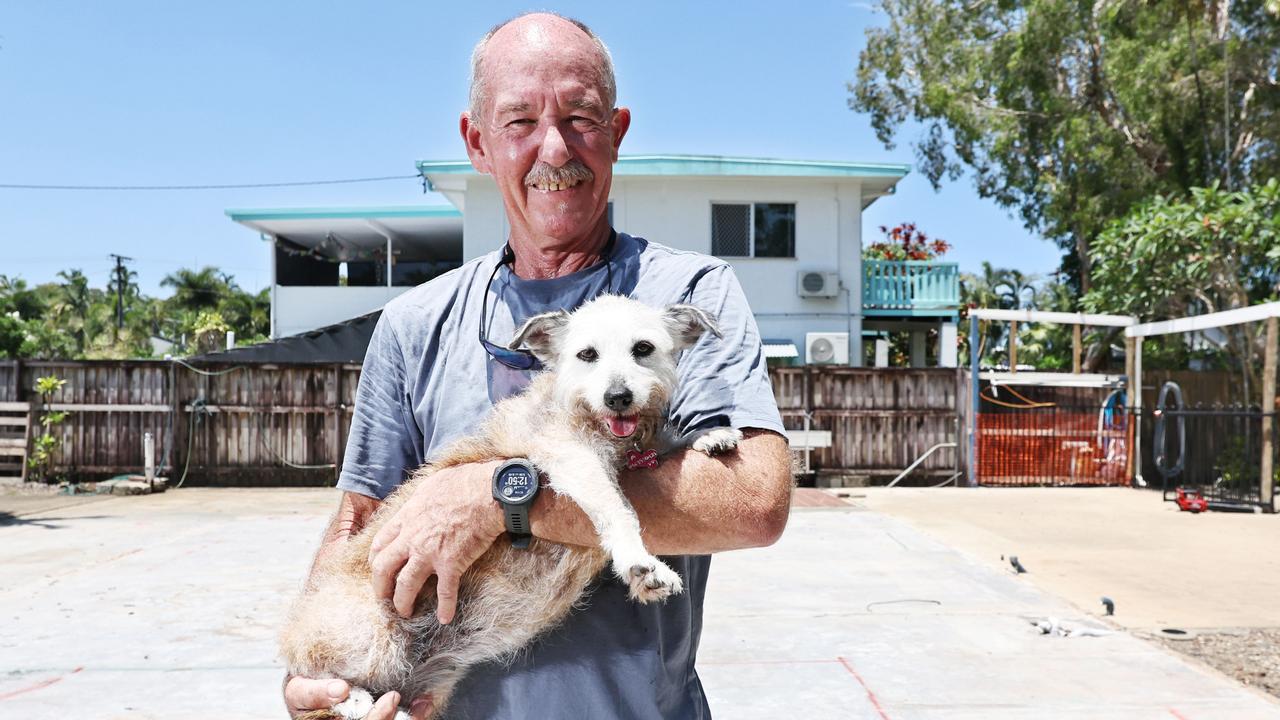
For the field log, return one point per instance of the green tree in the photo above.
(15, 296)
(1069, 112)
(196, 290)
(13, 333)
(1215, 250)
(72, 310)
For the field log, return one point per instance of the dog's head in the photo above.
(615, 358)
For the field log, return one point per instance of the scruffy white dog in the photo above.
(611, 369)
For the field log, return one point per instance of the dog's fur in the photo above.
(338, 629)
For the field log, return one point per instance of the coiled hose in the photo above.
(1158, 441)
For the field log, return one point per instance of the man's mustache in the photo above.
(570, 173)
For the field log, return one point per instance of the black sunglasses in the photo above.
(523, 359)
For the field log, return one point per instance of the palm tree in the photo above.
(196, 290)
(73, 306)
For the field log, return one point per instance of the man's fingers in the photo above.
(409, 583)
(385, 708)
(388, 533)
(385, 566)
(446, 596)
(309, 694)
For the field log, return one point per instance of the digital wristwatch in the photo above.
(515, 485)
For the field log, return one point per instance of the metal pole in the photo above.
(1135, 402)
(1267, 489)
(974, 341)
(388, 261)
(149, 459)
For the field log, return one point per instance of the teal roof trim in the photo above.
(344, 213)
(712, 165)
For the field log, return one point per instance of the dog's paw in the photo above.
(653, 580)
(717, 440)
(357, 705)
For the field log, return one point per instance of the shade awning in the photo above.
(777, 349)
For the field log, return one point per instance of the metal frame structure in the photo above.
(1266, 312)
(1075, 378)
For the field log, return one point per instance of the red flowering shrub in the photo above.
(905, 242)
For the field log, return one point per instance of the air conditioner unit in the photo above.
(830, 348)
(817, 284)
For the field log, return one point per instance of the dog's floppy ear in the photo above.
(687, 323)
(539, 334)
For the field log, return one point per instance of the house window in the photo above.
(753, 230)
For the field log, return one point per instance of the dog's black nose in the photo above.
(618, 399)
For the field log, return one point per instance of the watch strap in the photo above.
(518, 525)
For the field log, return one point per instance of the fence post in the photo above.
(1267, 489)
(974, 371)
(338, 416)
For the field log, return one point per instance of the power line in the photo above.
(235, 186)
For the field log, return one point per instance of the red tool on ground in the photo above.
(1192, 500)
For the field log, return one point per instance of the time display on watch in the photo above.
(515, 485)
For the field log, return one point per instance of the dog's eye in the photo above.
(641, 349)
(588, 355)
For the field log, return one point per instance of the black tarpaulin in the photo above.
(344, 342)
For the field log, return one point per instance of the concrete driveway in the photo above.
(165, 607)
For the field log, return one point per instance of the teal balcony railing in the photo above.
(910, 288)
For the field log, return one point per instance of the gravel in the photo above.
(1250, 655)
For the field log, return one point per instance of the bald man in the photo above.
(543, 123)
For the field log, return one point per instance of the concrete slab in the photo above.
(1162, 567)
(165, 606)
(856, 615)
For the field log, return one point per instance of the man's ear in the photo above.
(687, 323)
(541, 334)
(621, 122)
(471, 138)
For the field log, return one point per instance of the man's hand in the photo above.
(303, 694)
(447, 524)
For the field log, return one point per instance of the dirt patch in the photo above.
(1250, 655)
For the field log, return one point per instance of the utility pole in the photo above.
(122, 279)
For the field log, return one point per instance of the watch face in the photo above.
(515, 485)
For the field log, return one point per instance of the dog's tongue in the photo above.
(622, 426)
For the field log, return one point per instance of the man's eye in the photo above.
(641, 349)
(588, 355)
(520, 121)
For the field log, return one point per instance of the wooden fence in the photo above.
(246, 425)
(880, 419)
(287, 424)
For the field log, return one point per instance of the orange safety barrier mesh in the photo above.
(1054, 446)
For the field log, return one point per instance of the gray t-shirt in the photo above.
(427, 381)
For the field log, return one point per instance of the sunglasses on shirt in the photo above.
(523, 359)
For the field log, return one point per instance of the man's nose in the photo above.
(618, 398)
(554, 150)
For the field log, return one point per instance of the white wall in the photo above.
(676, 211)
(299, 309)
(484, 224)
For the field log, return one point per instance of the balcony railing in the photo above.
(910, 288)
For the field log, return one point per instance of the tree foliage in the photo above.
(1069, 112)
(1214, 250)
(71, 319)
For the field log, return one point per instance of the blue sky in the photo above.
(230, 92)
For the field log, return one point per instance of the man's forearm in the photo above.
(692, 504)
(354, 511)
